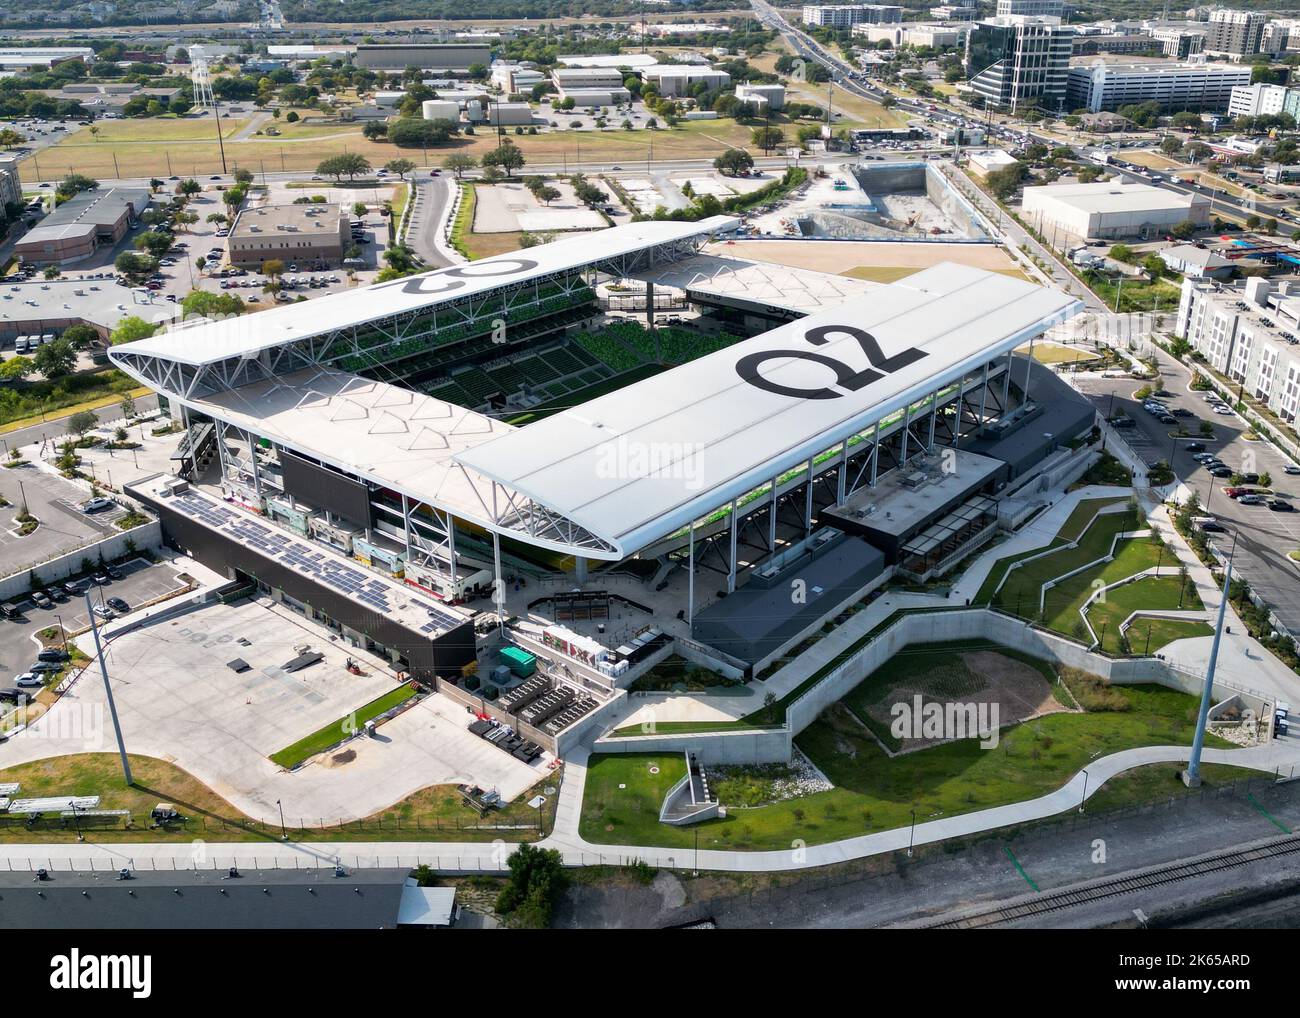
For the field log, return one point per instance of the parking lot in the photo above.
(54, 502)
(1263, 537)
(178, 700)
(142, 581)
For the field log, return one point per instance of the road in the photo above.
(430, 195)
(1262, 537)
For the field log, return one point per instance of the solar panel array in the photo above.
(300, 556)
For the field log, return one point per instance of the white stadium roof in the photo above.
(638, 464)
(248, 335)
(759, 283)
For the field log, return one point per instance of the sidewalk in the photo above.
(493, 857)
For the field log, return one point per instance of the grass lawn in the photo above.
(190, 147)
(488, 245)
(1160, 781)
(874, 792)
(433, 813)
(1162, 632)
(1054, 353)
(1020, 593)
(1077, 522)
(335, 731)
(1062, 603)
(36, 402)
(1155, 593)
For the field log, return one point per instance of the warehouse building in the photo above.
(1110, 210)
(289, 233)
(82, 224)
(434, 56)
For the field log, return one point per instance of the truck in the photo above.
(1100, 158)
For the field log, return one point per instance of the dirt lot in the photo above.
(1018, 690)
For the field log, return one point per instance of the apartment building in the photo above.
(1235, 33)
(1249, 332)
(848, 15)
(1258, 100)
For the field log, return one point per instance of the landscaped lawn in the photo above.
(1154, 593)
(431, 814)
(1160, 781)
(335, 731)
(1061, 603)
(1020, 593)
(874, 792)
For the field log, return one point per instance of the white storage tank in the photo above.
(440, 109)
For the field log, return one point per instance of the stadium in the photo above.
(604, 449)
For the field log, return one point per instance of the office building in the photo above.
(1016, 63)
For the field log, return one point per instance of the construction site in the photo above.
(886, 201)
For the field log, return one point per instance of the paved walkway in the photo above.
(1278, 757)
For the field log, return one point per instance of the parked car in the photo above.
(1291, 468)
(102, 579)
(41, 600)
(73, 588)
(46, 667)
(103, 612)
(1195, 446)
(27, 680)
(1220, 471)
(1213, 527)
(52, 654)
(118, 605)
(10, 611)
(11, 695)
(97, 505)
(1281, 505)
(113, 571)
(1250, 500)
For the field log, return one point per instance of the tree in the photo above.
(1184, 230)
(459, 162)
(80, 336)
(154, 243)
(207, 304)
(82, 422)
(536, 881)
(75, 183)
(413, 132)
(189, 187)
(348, 164)
(15, 368)
(291, 117)
(55, 360)
(273, 267)
(130, 329)
(506, 157)
(135, 266)
(767, 138)
(399, 166)
(546, 194)
(734, 161)
(127, 406)
(1003, 182)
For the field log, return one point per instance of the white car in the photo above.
(104, 612)
(27, 680)
(1223, 411)
(97, 505)
(1291, 468)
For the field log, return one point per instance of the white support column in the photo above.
(731, 558)
(1029, 363)
(580, 569)
(690, 580)
(875, 454)
(808, 499)
(934, 416)
(843, 472)
(771, 519)
(984, 393)
(252, 462)
(498, 587)
(221, 451)
(451, 547)
(406, 528)
(907, 423)
(1006, 384)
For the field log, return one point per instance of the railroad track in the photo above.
(1057, 901)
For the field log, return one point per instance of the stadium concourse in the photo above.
(605, 448)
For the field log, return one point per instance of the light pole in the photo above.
(108, 692)
(911, 838)
(284, 833)
(1192, 776)
(1084, 798)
